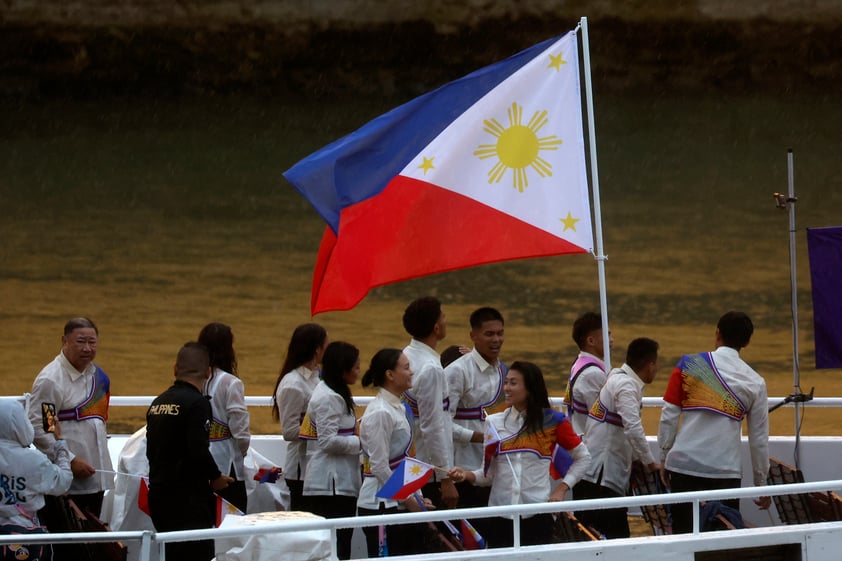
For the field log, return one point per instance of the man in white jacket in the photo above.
(615, 437)
(700, 435)
(426, 323)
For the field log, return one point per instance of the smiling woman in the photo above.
(528, 434)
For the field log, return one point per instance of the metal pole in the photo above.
(597, 209)
(796, 368)
(788, 202)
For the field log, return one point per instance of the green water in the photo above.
(157, 216)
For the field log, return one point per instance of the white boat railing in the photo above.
(829, 450)
(266, 401)
(152, 543)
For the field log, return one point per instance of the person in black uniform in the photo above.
(182, 472)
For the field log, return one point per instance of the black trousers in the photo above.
(534, 530)
(401, 539)
(611, 522)
(182, 510)
(682, 513)
(336, 506)
(297, 500)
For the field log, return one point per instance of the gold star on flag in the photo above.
(569, 222)
(415, 469)
(556, 61)
(426, 165)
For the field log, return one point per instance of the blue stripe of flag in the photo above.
(361, 164)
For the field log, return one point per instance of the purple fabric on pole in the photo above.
(824, 246)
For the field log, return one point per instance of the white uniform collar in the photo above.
(306, 373)
(390, 398)
(482, 364)
(423, 347)
(628, 370)
(74, 374)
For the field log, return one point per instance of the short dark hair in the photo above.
(483, 315)
(383, 360)
(584, 325)
(421, 316)
(79, 323)
(735, 329)
(640, 352)
(450, 354)
(192, 361)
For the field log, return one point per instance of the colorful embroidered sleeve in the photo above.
(673, 394)
(566, 436)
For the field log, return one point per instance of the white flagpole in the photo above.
(599, 255)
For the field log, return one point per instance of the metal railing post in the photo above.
(145, 553)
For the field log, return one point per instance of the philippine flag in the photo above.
(488, 168)
(143, 497)
(408, 477)
(560, 462)
(491, 444)
(223, 509)
(471, 539)
(268, 475)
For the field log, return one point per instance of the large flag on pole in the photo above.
(488, 168)
(824, 246)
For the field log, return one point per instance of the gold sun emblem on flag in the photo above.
(415, 469)
(518, 147)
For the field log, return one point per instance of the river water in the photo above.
(155, 217)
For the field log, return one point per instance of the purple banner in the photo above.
(824, 246)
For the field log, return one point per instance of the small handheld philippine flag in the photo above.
(492, 446)
(561, 462)
(143, 497)
(471, 539)
(223, 509)
(268, 475)
(408, 477)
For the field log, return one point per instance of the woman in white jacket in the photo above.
(26, 474)
(519, 473)
(386, 439)
(296, 382)
(229, 430)
(333, 455)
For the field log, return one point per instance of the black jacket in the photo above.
(177, 425)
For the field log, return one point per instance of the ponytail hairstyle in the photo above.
(340, 357)
(383, 360)
(537, 397)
